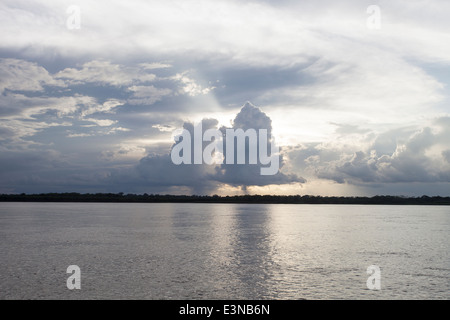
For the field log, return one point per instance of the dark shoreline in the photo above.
(266, 199)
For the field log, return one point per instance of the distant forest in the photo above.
(156, 198)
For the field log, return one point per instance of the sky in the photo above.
(355, 93)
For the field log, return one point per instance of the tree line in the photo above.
(158, 198)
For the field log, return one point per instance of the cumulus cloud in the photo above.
(251, 117)
(419, 156)
(160, 170)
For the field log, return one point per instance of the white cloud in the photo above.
(246, 31)
(106, 107)
(189, 85)
(21, 75)
(101, 123)
(105, 72)
(164, 128)
(79, 135)
(14, 105)
(19, 130)
(408, 161)
(118, 129)
(380, 90)
(154, 65)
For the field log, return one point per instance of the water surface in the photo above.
(223, 251)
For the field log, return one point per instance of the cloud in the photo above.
(348, 129)
(101, 123)
(164, 127)
(245, 31)
(346, 103)
(106, 107)
(377, 89)
(418, 156)
(35, 170)
(19, 75)
(28, 112)
(22, 106)
(17, 133)
(251, 117)
(105, 72)
(79, 135)
(155, 65)
(160, 170)
(189, 86)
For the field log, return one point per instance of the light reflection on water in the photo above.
(223, 251)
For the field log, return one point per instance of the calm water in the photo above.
(223, 251)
